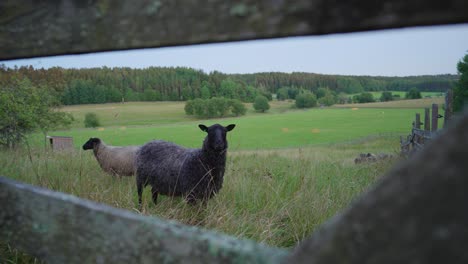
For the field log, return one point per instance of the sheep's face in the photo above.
(216, 139)
(91, 143)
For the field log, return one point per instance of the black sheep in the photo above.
(196, 174)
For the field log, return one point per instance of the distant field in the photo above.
(160, 113)
(377, 95)
(128, 114)
(415, 104)
(293, 128)
(148, 113)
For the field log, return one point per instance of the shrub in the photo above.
(363, 98)
(214, 107)
(413, 93)
(386, 96)
(306, 100)
(282, 94)
(199, 107)
(25, 108)
(261, 104)
(189, 105)
(91, 120)
(220, 105)
(237, 107)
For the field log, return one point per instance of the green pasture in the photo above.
(129, 114)
(417, 104)
(295, 128)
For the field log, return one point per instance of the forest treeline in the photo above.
(102, 85)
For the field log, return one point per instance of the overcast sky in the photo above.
(397, 52)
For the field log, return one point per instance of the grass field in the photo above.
(290, 129)
(400, 104)
(287, 170)
(279, 128)
(277, 197)
(130, 114)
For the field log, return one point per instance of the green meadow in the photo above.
(287, 170)
(138, 123)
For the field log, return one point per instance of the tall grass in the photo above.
(277, 197)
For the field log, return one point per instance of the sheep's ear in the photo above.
(203, 128)
(230, 127)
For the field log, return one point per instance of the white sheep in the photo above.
(114, 160)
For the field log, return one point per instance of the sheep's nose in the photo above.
(219, 146)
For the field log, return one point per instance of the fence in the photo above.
(414, 214)
(61, 228)
(60, 142)
(419, 137)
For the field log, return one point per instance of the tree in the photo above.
(282, 94)
(150, 95)
(205, 91)
(460, 92)
(326, 97)
(386, 96)
(91, 120)
(189, 107)
(251, 93)
(261, 104)
(349, 85)
(328, 100)
(199, 107)
(237, 107)
(214, 107)
(343, 98)
(306, 100)
(322, 92)
(413, 93)
(293, 92)
(230, 89)
(25, 108)
(363, 98)
(265, 94)
(210, 108)
(220, 105)
(187, 93)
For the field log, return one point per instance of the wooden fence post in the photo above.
(435, 114)
(427, 122)
(448, 107)
(61, 228)
(418, 121)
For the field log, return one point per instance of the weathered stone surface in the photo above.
(415, 214)
(31, 28)
(61, 228)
